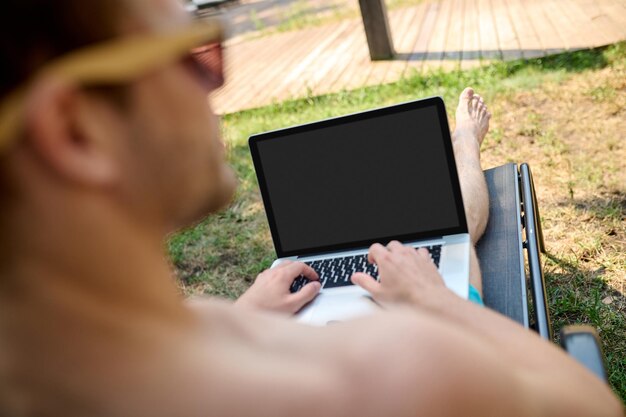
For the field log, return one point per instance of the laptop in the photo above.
(334, 187)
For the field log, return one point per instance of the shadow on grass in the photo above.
(581, 296)
(570, 61)
(555, 60)
(609, 206)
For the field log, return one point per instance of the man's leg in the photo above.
(472, 124)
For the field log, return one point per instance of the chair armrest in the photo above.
(500, 250)
(533, 243)
(582, 343)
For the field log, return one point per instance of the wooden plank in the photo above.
(355, 50)
(406, 47)
(600, 21)
(555, 22)
(615, 12)
(437, 44)
(487, 33)
(507, 38)
(298, 49)
(529, 41)
(470, 56)
(548, 36)
(595, 35)
(239, 56)
(420, 49)
(328, 62)
(603, 23)
(290, 58)
(258, 68)
(400, 20)
(257, 62)
(355, 69)
(300, 82)
(336, 57)
(296, 78)
(404, 44)
(247, 64)
(365, 71)
(454, 38)
(412, 23)
(573, 37)
(376, 71)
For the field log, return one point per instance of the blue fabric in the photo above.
(474, 296)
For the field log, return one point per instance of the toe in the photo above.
(466, 95)
(475, 103)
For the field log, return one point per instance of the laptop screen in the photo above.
(355, 180)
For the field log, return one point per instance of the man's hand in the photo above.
(270, 290)
(406, 274)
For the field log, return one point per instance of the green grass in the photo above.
(563, 114)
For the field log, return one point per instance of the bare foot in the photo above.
(472, 117)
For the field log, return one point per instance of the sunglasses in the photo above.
(123, 60)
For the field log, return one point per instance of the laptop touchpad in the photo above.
(335, 306)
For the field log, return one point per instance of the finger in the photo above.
(395, 246)
(376, 251)
(294, 269)
(425, 258)
(284, 263)
(307, 293)
(367, 282)
(423, 255)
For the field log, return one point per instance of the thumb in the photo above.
(306, 294)
(367, 282)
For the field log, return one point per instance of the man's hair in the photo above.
(34, 31)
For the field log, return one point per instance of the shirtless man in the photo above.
(91, 322)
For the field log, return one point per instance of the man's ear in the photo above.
(61, 127)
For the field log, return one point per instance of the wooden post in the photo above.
(374, 13)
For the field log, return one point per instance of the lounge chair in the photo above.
(514, 229)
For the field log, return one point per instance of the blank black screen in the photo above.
(365, 180)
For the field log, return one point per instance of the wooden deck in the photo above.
(445, 34)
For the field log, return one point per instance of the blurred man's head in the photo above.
(149, 145)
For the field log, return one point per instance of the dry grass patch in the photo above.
(572, 133)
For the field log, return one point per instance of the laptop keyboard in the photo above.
(336, 272)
